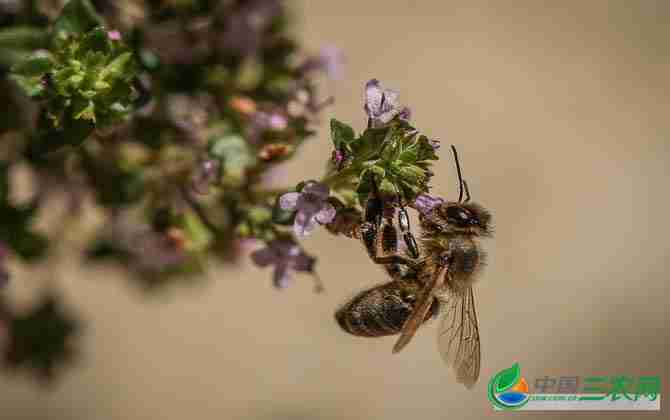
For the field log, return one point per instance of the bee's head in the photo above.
(457, 217)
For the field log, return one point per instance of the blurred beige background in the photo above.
(561, 114)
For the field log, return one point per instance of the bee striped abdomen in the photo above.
(379, 311)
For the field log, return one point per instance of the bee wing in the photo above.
(458, 336)
(424, 301)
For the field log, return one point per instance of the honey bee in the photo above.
(433, 278)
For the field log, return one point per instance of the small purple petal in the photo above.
(264, 257)
(292, 250)
(277, 122)
(281, 277)
(390, 101)
(435, 144)
(327, 214)
(386, 117)
(337, 157)
(114, 35)
(333, 61)
(309, 203)
(405, 114)
(304, 224)
(424, 203)
(205, 174)
(289, 201)
(373, 98)
(382, 105)
(316, 188)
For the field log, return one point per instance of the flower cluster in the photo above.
(389, 160)
(172, 119)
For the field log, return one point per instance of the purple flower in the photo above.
(149, 251)
(114, 35)
(434, 143)
(330, 60)
(424, 203)
(337, 158)
(382, 105)
(311, 205)
(174, 45)
(286, 256)
(277, 122)
(269, 121)
(245, 26)
(205, 174)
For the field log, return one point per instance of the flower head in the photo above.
(382, 105)
(286, 256)
(312, 206)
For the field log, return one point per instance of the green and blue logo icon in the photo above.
(508, 390)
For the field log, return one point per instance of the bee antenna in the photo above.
(467, 191)
(460, 176)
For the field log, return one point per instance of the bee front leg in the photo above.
(381, 238)
(407, 236)
(378, 247)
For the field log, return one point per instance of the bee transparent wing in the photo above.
(418, 316)
(458, 336)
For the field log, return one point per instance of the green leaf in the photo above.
(95, 40)
(507, 378)
(387, 188)
(118, 67)
(200, 237)
(77, 17)
(28, 245)
(24, 38)
(34, 65)
(31, 86)
(86, 112)
(424, 150)
(412, 174)
(281, 216)
(341, 133)
(49, 138)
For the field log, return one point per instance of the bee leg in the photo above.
(381, 239)
(407, 236)
(374, 244)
